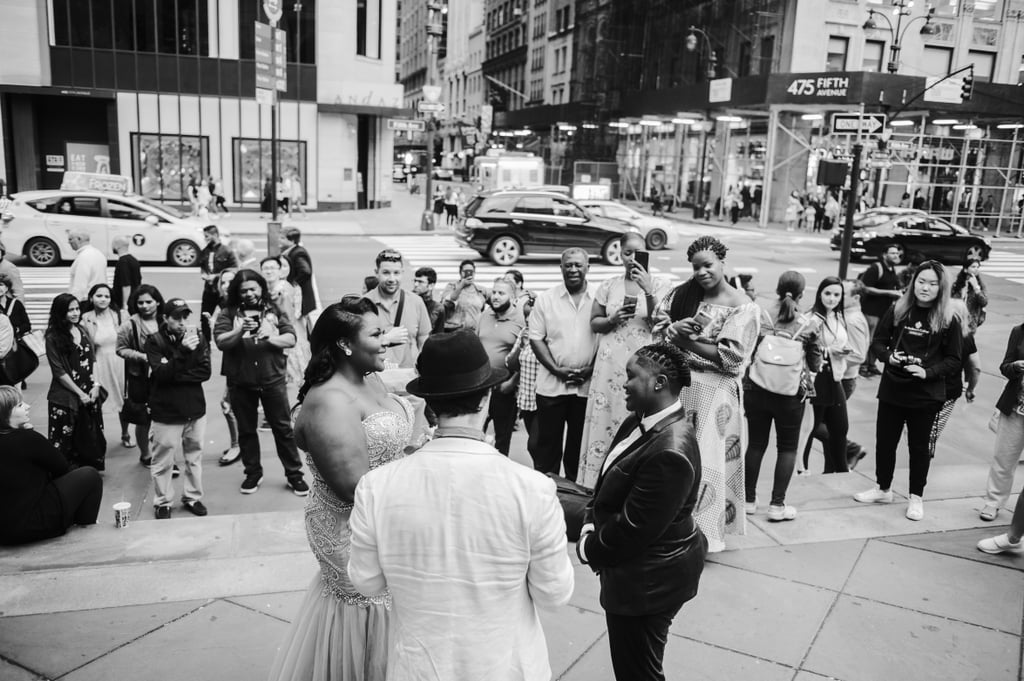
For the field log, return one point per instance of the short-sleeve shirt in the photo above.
(126, 273)
(565, 327)
(881, 277)
(498, 333)
(415, 319)
(463, 312)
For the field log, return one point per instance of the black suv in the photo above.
(505, 225)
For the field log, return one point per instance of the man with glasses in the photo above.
(423, 285)
(403, 314)
(463, 300)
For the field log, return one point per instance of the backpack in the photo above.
(778, 363)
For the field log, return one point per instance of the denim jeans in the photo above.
(761, 408)
(274, 397)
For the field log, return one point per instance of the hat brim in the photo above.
(416, 387)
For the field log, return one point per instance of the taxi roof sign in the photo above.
(96, 182)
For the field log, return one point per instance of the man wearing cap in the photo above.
(468, 542)
(213, 259)
(179, 363)
(11, 270)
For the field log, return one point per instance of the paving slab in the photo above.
(827, 564)
(283, 606)
(732, 611)
(948, 481)
(216, 642)
(54, 645)
(570, 633)
(867, 641)
(594, 665)
(817, 491)
(811, 676)
(964, 544)
(586, 592)
(959, 589)
(696, 661)
(10, 672)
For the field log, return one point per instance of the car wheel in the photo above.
(42, 252)
(504, 251)
(183, 254)
(656, 240)
(975, 252)
(611, 254)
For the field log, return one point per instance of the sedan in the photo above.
(506, 225)
(658, 232)
(36, 224)
(922, 237)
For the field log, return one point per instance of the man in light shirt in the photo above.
(89, 267)
(403, 315)
(565, 345)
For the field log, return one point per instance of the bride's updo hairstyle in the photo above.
(340, 321)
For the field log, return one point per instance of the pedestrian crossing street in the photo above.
(444, 254)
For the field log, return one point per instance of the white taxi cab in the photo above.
(36, 224)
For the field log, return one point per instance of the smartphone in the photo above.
(629, 302)
(643, 258)
(702, 318)
(255, 315)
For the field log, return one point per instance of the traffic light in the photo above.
(967, 89)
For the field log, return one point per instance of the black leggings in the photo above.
(761, 408)
(889, 425)
(831, 424)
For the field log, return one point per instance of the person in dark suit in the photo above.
(301, 267)
(639, 534)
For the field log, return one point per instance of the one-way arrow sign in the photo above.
(853, 123)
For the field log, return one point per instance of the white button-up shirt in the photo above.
(647, 422)
(88, 269)
(564, 326)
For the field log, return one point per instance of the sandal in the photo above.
(989, 512)
(127, 442)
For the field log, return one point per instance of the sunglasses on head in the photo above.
(390, 256)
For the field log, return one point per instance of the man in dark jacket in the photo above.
(253, 333)
(179, 363)
(213, 259)
(301, 273)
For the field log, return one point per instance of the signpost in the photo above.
(406, 125)
(271, 54)
(858, 124)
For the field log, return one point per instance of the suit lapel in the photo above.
(627, 427)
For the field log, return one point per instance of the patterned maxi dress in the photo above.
(339, 634)
(716, 396)
(606, 402)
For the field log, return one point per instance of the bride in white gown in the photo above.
(348, 424)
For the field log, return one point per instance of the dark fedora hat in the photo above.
(453, 364)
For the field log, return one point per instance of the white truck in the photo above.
(508, 170)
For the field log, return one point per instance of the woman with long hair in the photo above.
(102, 322)
(144, 306)
(969, 287)
(716, 327)
(762, 406)
(829, 400)
(920, 343)
(73, 387)
(347, 424)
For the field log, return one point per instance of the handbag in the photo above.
(88, 444)
(136, 388)
(33, 340)
(20, 362)
(574, 499)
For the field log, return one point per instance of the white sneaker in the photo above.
(875, 495)
(915, 508)
(750, 507)
(1000, 544)
(779, 513)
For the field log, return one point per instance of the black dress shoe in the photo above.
(196, 507)
(163, 512)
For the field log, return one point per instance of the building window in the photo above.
(874, 55)
(767, 54)
(164, 164)
(167, 26)
(743, 68)
(301, 32)
(836, 58)
(984, 64)
(936, 61)
(252, 165)
(988, 10)
(947, 8)
(368, 28)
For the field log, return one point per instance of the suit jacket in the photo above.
(1007, 402)
(301, 275)
(646, 546)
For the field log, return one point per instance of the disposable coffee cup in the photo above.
(122, 513)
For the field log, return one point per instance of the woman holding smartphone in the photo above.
(622, 316)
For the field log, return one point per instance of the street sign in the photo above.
(271, 49)
(431, 93)
(900, 145)
(265, 96)
(273, 10)
(944, 90)
(853, 123)
(406, 124)
(883, 163)
(431, 107)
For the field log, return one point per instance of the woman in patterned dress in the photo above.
(716, 326)
(623, 330)
(69, 351)
(348, 424)
(102, 323)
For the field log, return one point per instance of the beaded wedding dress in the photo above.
(339, 634)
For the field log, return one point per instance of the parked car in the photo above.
(658, 232)
(36, 225)
(443, 174)
(922, 236)
(505, 225)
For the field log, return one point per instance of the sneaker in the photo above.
(230, 455)
(196, 507)
(251, 484)
(777, 514)
(163, 512)
(299, 487)
(874, 495)
(915, 508)
(989, 512)
(1000, 544)
(175, 471)
(750, 507)
(264, 425)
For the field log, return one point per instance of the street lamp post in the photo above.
(711, 73)
(896, 35)
(435, 30)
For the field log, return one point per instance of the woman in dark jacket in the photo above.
(144, 305)
(639, 533)
(40, 496)
(1010, 429)
(920, 342)
(13, 308)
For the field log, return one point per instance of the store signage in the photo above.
(405, 124)
(856, 123)
(827, 88)
(55, 163)
(96, 182)
(720, 90)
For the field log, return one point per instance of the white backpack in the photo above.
(778, 363)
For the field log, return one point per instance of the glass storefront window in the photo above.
(988, 10)
(163, 165)
(252, 166)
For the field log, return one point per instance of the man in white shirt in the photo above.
(468, 542)
(403, 315)
(565, 345)
(89, 267)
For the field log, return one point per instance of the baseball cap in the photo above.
(176, 307)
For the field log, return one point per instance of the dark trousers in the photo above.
(211, 299)
(761, 408)
(852, 448)
(831, 424)
(559, 426)
(244, 402)
(530, 422)
(870, 359)
(889, 428)
(503, 415)
(77, 502)
(637, 645)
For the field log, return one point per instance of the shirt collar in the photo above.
(652, 420)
